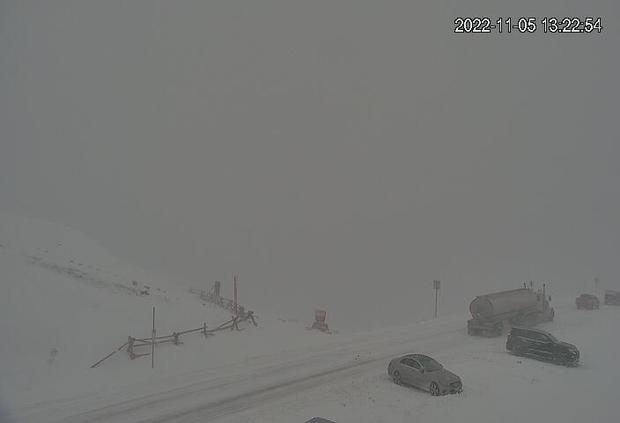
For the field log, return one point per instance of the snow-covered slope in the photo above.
(66, 302)
(61, 292)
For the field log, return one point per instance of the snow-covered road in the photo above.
(263, 379)
(345, 380)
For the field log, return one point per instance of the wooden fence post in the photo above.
(235, 294)
(251, 317)
(130, 341)
(153, 342)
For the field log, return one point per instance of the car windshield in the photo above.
(429, 364)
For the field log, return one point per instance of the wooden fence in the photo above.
(213, 296)
(175, 338)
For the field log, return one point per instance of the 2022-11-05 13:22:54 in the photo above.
(528, 25)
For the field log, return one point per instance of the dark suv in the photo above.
(612, 297)
(587, 301)
(541, 345)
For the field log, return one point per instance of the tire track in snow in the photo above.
(188, 404)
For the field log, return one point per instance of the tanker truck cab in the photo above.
(493, 314)
(543, 312)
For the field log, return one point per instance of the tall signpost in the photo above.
(235, 288)
(153, 342)
(436, 286)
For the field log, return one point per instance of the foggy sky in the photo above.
(340, 154)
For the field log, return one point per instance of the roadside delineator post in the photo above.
(436, 286)
(153, 342)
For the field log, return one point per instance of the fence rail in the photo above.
(213, 296)
(175, 337)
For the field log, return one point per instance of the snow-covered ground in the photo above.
(498, 387)
(60, 291)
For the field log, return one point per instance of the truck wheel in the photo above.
(434, 389)
(396, 378)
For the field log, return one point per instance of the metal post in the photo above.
(153, 342)
(544, 298)
(436, 285)
(235, 288)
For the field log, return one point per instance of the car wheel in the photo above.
(396, 378)
(560, 359)
(565, 360)
(434, 389)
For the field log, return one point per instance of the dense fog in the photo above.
(333, 154)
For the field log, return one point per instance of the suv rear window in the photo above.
(532, 334)
(538, 336)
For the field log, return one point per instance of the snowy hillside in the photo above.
(65, 303)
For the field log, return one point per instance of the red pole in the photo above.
(235, 287)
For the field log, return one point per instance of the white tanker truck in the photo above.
(491, 313)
